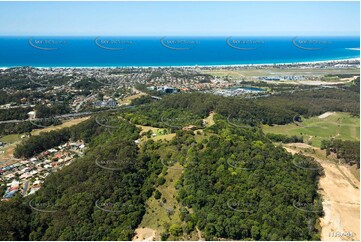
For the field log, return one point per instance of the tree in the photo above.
(175, 230)
(157, 194)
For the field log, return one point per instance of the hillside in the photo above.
(220, 179)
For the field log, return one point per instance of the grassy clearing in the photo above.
(158, 214)
(251, 74)
(165, 137)
(314, 130)
(129, 99)
(297, 71)
(6, 152)
(223, 73)
(160, 133)
(210, 119)
(67, 123)
(161, 214)
(145, 129)
(11, 138)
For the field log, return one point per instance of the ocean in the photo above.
(50, 51)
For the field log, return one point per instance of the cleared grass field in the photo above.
(224, 73)
(67, 123)
(161, 133)
(277, 71)
(11, 138)
(159, 213)
(314, 130)
(129, 99)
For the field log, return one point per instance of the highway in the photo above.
(70, 115)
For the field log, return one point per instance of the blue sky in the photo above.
(180, 18)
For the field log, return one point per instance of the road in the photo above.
(70, 115)
(85, 100)
(26, 186)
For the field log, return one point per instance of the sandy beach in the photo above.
(194, 66)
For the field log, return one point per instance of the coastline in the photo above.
(193, 66)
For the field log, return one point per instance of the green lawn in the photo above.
(11, 138)
(156, 215)
(339, 125)
(159, 215)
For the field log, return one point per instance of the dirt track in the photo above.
(341, 199)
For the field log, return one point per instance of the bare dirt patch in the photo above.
(210, 119)
(144, 234)
(325, 115)
(349, 78)
(341, 202)
(341, 199)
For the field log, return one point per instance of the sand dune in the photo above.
(341, 200)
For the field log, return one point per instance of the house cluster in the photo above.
(27, 176)
(77, 101)
(189, 83)
(165, 79)
(235, 91)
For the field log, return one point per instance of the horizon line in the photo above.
(177, 35)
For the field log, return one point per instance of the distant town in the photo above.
(38, 94)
